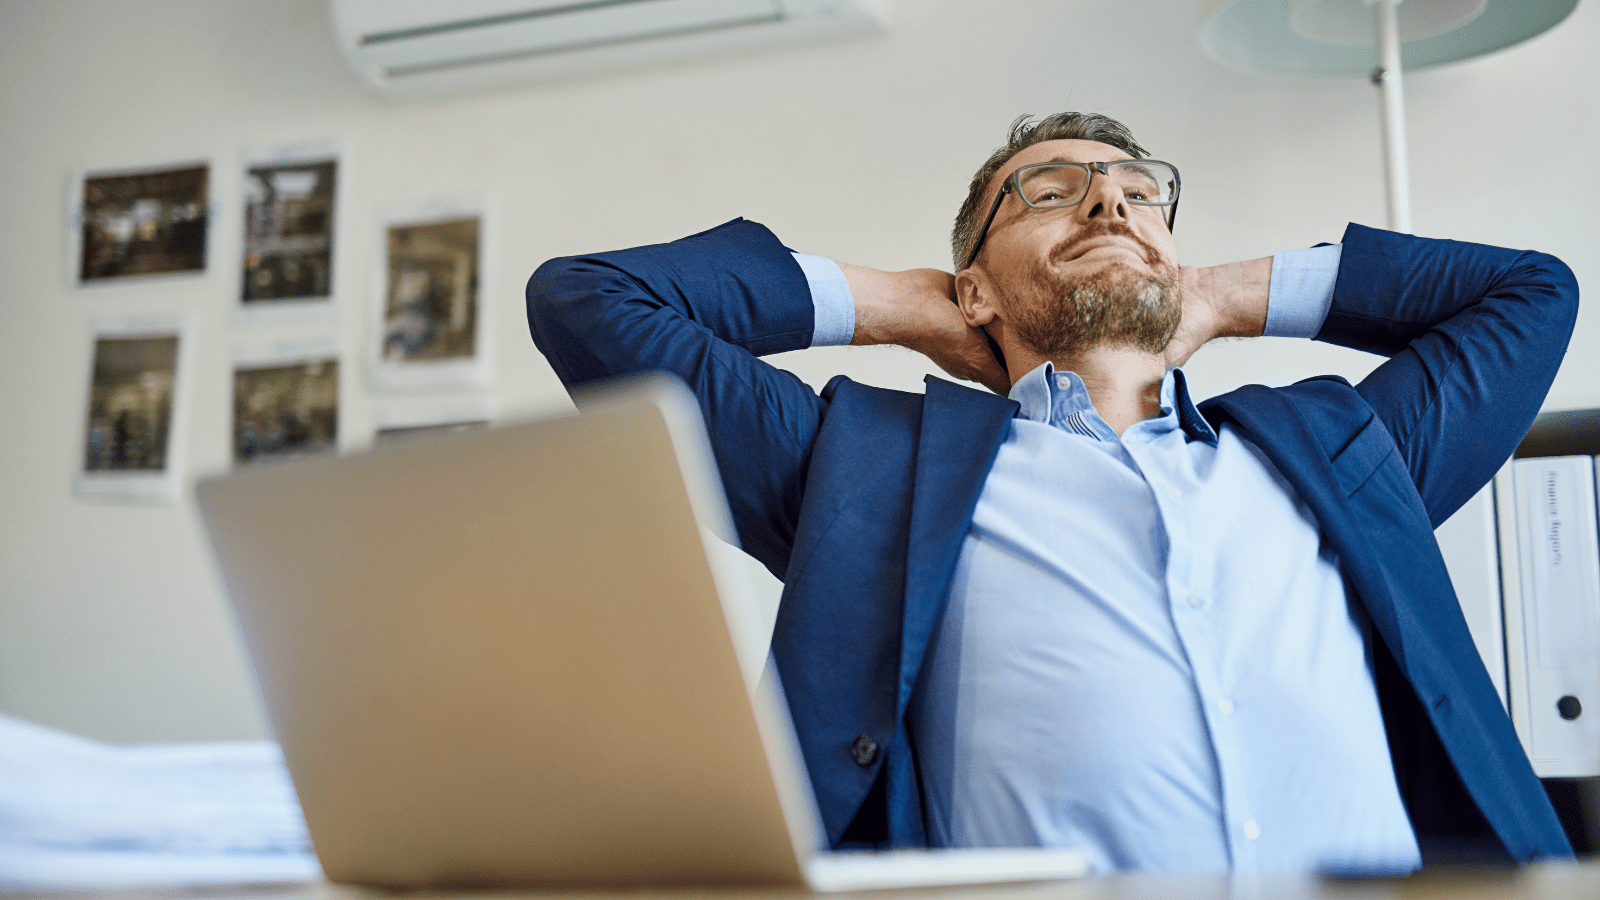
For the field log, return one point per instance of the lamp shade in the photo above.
(1317, 39)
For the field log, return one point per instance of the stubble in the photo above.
(1116, 305)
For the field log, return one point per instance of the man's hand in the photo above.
(916, 309)
(1229, 300)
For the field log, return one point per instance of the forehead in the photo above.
(1067, 150)
(1054, 151)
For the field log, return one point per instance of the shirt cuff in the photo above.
(835, 318)
(1302, 290)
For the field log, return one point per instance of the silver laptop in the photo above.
(515, 657)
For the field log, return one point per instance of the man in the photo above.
(1093, 613)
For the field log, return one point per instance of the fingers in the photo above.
(916, 309)
(971, 360)
(988, 371)
(1182, 346)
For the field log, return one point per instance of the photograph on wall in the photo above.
(430, 307)
(429, 311)
(285, 408)
(131, 432)
(289, 207)
(141, 223)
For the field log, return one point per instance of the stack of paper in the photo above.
(76, 813)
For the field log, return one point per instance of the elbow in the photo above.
(551, 294)
(545, 290)
(572, 305)
(1560, 285)
(552, 298)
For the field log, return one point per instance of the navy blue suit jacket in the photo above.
(859, 499)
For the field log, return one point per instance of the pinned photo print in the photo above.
(431, 304)
(429, 312)
(130, 404)
(149, 222)
(285, 409)
(288, 242)
(132, 432)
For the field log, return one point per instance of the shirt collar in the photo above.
(1060, 399)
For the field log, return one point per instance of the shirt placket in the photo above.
(1194, 619)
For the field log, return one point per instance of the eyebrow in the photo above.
(1137, 167)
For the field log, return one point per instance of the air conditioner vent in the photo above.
(424, 47)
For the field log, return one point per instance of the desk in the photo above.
(1545, 881)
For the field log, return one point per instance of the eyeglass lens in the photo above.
(1143, 184)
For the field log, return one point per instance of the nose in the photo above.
(1105, 199)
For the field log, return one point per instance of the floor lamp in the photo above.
(1317, 39)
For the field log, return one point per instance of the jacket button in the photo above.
(863, 750)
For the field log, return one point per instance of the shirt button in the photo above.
(1194, 600)
(1176, 494)
(1063, 382)
(1226, 706)
(1252, 830)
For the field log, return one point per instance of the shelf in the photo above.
(1569, 432)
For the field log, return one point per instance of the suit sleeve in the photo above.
(1474, 336)
(703, 308)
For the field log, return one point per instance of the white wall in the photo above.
(111, 620)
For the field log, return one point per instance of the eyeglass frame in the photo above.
(1013, 183)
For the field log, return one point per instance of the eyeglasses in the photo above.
(1051, 185)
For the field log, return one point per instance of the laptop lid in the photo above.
(505, 657)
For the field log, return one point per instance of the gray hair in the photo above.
(1024, 134)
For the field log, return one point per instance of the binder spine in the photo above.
(1469, 542)
(1553, 620)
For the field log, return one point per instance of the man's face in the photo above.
(1103, 271)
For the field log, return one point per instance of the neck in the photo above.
(1124, 383)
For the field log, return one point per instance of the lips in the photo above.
(1081, 248)
(1111, 234)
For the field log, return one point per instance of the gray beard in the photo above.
(1116, 306)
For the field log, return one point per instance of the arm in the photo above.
(703, 308)
(1474, 336)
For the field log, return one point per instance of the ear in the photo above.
(975, 296)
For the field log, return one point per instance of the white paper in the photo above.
(76, 813)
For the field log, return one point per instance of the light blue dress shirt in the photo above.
(1148, 650)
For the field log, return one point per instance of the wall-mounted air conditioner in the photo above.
(429, 47)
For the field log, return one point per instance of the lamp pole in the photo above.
(1392, 113)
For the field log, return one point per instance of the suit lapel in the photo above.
(962, 430)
